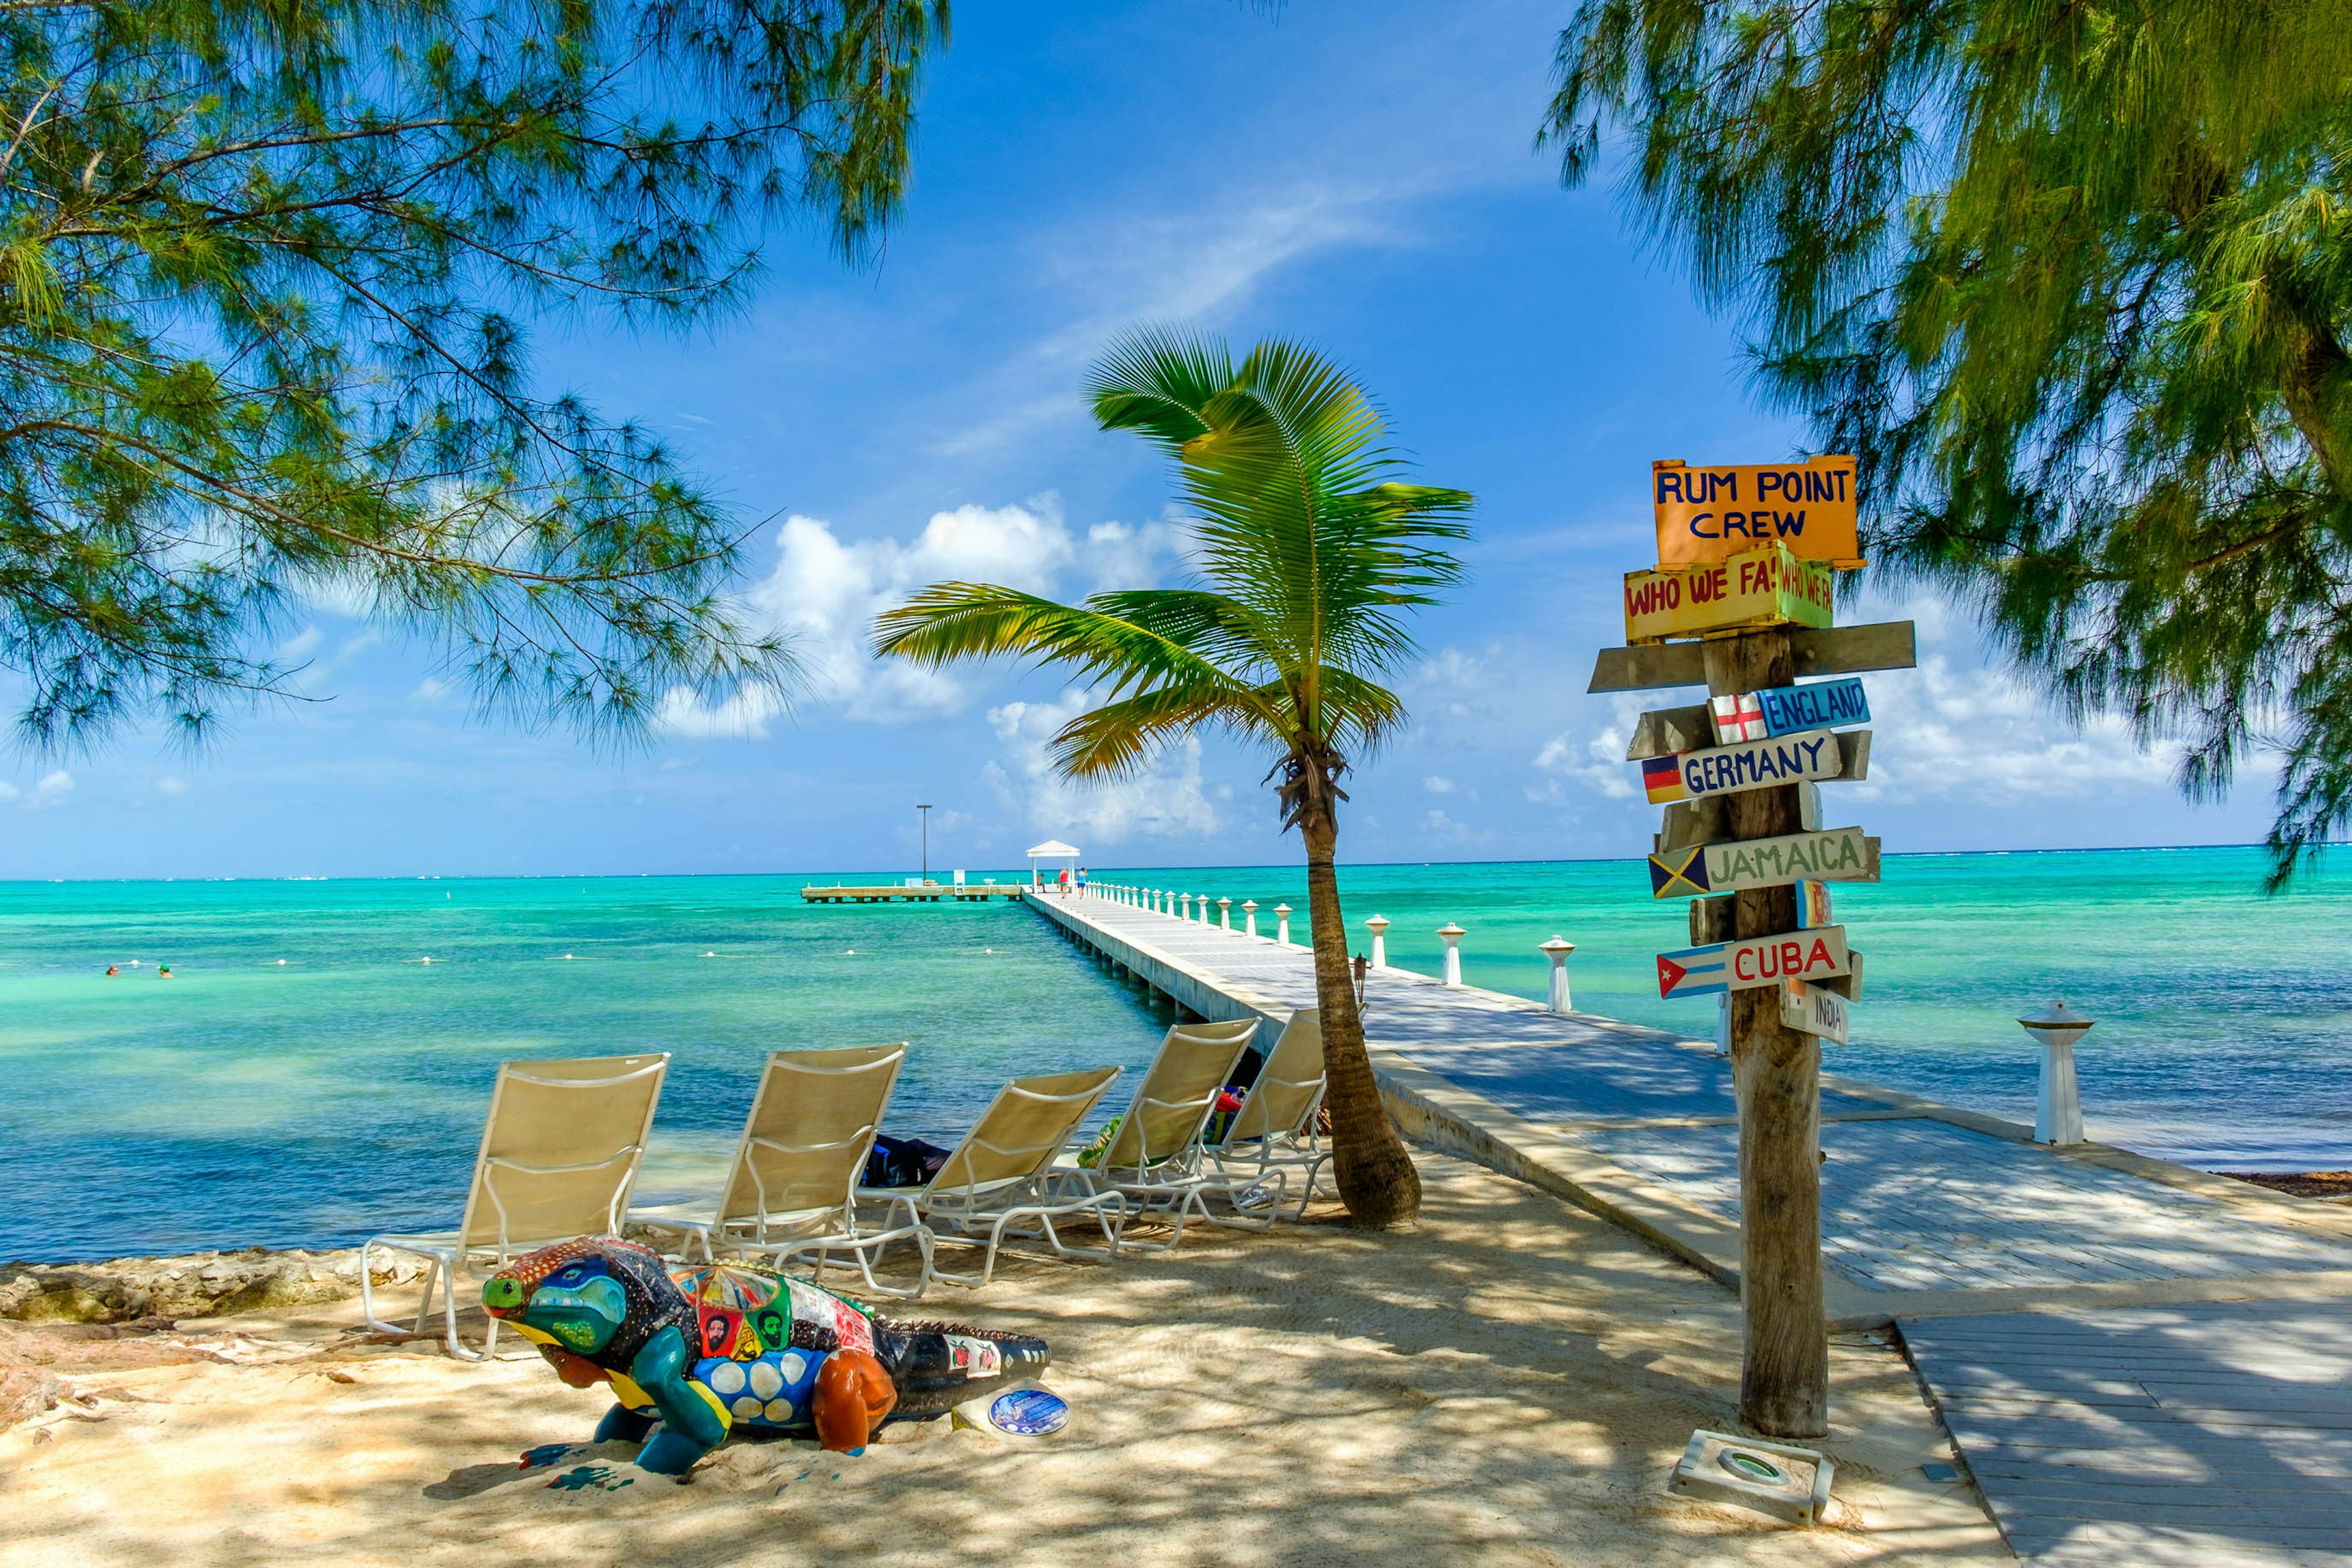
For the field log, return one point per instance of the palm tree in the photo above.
(1307, 548)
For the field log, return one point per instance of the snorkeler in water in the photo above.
(112, 972)
(162, 971)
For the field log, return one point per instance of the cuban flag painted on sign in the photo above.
(1661, 780)
(1737, 718)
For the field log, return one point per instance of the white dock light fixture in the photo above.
(2058, 1108)
(1185, 901)
(1556, 950)
(1282, 925)
(1378, 926)
(1452, 935)
(1249, 917)
(1224, 913)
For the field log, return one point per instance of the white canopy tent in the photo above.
(1051, 849)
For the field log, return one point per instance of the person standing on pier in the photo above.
(1082, 882)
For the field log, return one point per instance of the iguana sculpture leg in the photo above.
(623, 1425)
(692, 1425)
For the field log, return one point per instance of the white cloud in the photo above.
(1595, 760)
(1437, 783)
(1164, 801)
(824, 592)
(171, 786)
(53, 788)
(301, 645)
(8, 792)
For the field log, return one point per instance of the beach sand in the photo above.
(1509, 1384)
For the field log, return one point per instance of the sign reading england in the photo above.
(1823, 705)
(1766, 587)
(1833, 855)
(1715, 513)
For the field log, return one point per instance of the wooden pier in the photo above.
(929, 893)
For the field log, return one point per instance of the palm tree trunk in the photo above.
(1375, 1174)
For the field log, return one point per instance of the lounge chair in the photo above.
(999, 1181)
(1155, 1158)
(793, 1185)
(559, 1153)
(1275, 1130)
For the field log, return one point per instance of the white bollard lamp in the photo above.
(1249, 917)
(1452, 935)
(1556, 950)
(2058, 1108)
(1282, 925)
(1224, 913)
(1378, 926)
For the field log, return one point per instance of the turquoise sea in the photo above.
(305, 1079)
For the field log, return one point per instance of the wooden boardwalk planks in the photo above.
(2218, 1434)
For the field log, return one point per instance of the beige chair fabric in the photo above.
(1178, 1092)
(792, 1189)
(998, 1180)
(559, 1153)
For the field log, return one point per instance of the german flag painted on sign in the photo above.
(1661, 777)
(1679, 873)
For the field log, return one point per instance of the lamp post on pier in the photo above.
(927, 843)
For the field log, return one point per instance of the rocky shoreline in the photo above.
(198, 1285)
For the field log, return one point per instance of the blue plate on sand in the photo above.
(1028, 1413)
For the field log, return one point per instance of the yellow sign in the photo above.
(1715, 513)
(1766, 587)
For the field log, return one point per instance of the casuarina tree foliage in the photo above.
(2073, 281)
(267, 270)
(1308, 548)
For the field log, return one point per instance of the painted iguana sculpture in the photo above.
(697, 1350)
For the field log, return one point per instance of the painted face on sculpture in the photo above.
(580, 1306)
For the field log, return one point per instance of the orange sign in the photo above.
(1713, 513)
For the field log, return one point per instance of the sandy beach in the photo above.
(1509, 1384)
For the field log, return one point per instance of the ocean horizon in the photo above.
(306, 1079)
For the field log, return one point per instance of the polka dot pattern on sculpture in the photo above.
(780, 1411)
(746, 1408)
(727, 1379)
(766, 1381)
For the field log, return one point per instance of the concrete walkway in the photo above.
(1951, 1222)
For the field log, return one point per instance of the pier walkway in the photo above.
(1932, 1217)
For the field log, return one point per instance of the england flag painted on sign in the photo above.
(1738, 718)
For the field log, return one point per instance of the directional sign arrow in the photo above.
(1751, 764)
(1833, 855)
(1752, 963)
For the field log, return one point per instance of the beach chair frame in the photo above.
(962, 1206)
(1253, 1148)
(1175, 1184)
(778, 1236)
(489, 1239)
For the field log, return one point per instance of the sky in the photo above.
(1357, 173)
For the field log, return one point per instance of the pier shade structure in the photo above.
(1746, 564)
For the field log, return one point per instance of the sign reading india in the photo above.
(1766, 587)
(1833, 855)
(1822, 705)
(1753, 764)
(1753, 962)
(1713, 513)
(1814, 1010)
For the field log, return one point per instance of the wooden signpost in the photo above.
(1832, 854)
(1712, 514)
(1837, 651)
(1746, 563)
(1758, 961)
(1765, 587)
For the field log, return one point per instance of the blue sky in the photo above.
(1358, 175)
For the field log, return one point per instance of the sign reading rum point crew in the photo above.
(1713, 513)
(1766, 587)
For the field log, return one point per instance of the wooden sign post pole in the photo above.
(1784, 1380)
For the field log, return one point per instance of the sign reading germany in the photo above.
(1833, 855)
(1753, 962)
(1766, 587)
(1715, 513)
(1720, 770)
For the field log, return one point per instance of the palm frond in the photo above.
(1119, 738)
